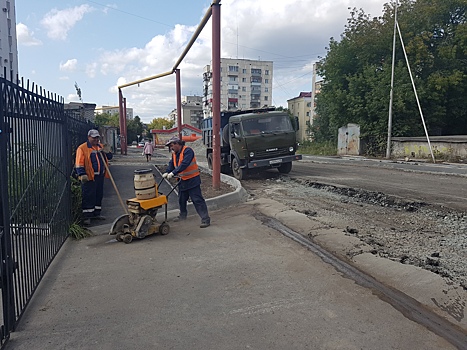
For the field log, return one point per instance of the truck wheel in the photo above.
(210, 161)
(238, 173)
(285, 168)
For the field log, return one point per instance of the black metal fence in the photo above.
(38, 138)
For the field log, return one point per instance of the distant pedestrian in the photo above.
(183, 163)
(90, 167)
(148, 150)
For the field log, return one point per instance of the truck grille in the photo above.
(277, 152)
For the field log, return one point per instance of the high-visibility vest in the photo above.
(191, 170)
(86, 157)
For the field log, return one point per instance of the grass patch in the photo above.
(318, 148)
(78, 232)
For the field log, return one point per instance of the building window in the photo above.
(265, 98)
(233, 68)
(266, 81)
(243, 80)
(255, 71)
(243, 88)
(307, 114)
(244, 71)
(232, 78)
(266, 89)
(266, 72)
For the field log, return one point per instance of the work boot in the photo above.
(87, 222)
(98, 217)
(205, 224)
(179, 218)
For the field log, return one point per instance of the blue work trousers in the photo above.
(198, 202)
(92, 193)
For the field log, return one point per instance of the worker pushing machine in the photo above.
(183, 164)
(91, 170)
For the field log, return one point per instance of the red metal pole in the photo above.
(216, 93)
(179, 102)
(124, 125)
(121, 120)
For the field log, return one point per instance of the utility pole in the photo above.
(391, 93)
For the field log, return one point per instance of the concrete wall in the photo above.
(444, 147)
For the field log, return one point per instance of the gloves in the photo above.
(170, 175)
(83, 178)
(164, 175)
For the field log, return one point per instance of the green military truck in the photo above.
(253, 139)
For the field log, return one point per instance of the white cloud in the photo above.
(71, 98)
(69, 66)
(59, 22)
(291, 33)
(25, 36)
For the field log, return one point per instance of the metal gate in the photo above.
(37, 139)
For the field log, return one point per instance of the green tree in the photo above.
(106, 119)
(134, 128)
(357, 73)
(160, 123)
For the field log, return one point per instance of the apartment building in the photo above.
(301, 107)
(114, 110)
(244, 84)
(192, 111)
(8, 41)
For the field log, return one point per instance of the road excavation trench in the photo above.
(416, 233)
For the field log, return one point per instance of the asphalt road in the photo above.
(437, 184)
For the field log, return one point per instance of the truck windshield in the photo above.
(267, 125)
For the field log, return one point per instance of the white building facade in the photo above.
(8, 41)
(244, 84)
(192, 111)
(111, 110)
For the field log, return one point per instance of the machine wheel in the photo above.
(210, 161)
(238, 173)
(127, 238)
(285, 168)
(119, 237)
(164, 229)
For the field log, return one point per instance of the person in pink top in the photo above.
(148, 150)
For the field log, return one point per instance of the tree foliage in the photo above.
(134, 128)
(106, 119)
(160, 124)
(357, 73)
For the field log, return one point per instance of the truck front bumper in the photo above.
(272, 162)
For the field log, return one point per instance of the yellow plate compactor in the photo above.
(140, 220)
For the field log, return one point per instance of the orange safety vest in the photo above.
(83, 160)
(191, 170)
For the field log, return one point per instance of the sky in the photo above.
(100, 45)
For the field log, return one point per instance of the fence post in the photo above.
(7, 266)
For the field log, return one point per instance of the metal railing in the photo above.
(37, 141)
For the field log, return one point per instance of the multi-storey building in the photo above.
(114, 110)
(300, 107)
(303, 107)
(244, 84)
(8, 41)
(192, 111)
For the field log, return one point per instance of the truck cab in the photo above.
(254, 139)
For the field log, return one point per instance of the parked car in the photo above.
(141, 144)
(134, 143)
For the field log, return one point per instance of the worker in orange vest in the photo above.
(90, 168)
(183, 164)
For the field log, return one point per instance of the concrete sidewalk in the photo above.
(237, 284)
